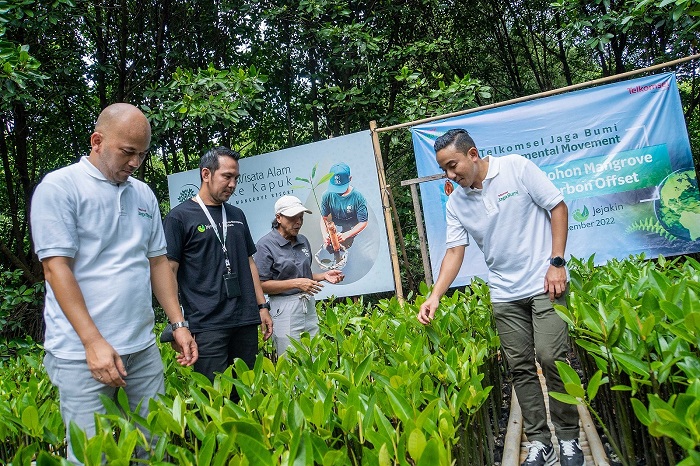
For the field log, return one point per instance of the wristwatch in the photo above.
(557, 261)
(177, 325)
(264, 306)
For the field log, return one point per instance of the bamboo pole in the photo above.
(386, 206)
(402, 242)
(600, 458)
(427, 271)
(511, 444)
(420, 225)
(527, 98)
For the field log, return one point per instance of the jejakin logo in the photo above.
(201, 228)
(581, 216)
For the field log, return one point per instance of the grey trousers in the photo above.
(292, 315)
(79, 393)
(530, 328)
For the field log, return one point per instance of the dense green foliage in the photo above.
(637, 326)
(374, 387)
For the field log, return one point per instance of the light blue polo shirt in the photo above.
(110, 230)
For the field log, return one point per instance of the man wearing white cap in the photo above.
(345, 205)
(283, 260)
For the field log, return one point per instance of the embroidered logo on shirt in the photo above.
(202, 228)
(306, 251)
(505, 195)
(144, 213)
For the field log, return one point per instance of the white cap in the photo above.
(289, 206)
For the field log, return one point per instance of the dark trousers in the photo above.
(527, 328)
(218, 348)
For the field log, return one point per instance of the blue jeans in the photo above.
(79, 393)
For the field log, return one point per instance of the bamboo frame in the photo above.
(539, 95)
(386, 206)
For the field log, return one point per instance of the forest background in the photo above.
(266, 75)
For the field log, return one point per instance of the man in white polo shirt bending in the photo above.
(99, 236)
(519, 220)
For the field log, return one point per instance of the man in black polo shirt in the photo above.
(210, 250)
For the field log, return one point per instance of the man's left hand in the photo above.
(555, 282)
(185, 346)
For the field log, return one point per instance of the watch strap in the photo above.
(177, 325)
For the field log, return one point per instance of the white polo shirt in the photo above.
(110, 231)
(509, 220)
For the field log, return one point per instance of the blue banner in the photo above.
(619, 153)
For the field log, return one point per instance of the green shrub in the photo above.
(20, 307)
(637, 324)
(374, 387)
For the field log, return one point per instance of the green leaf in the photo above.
(416, 444)
(431, 454)
(401, 408)
(362, 370)
(30, 419)
(78, 441)
(575, 390)
(632, 364)
(594, 384)
(325, 178)
(564, 398)
(567, 373)
(641, 412)
(254, 450)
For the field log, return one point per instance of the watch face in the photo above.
(557, 261)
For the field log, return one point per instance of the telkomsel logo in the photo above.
(144, 213)
(649, 87)
(505, 195)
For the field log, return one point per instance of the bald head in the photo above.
(116, 115)
(120, 141)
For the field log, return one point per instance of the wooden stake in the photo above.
(386, 207)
